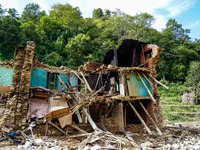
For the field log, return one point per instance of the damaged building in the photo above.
(118, 94)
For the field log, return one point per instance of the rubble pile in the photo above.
(174, 138)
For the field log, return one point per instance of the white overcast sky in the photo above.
(162, 10)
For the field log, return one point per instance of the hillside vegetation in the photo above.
(65, 37)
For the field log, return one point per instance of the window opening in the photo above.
(52, 80)
(148, 54)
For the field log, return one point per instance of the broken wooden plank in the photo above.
(97, 82)
(159, 82)
(78, 76)
(58, 113)
(49, 122)
(153, 122)
(146, 87)
(140, 118)
(87, 85)
(146, 78)
(77, 128)
(78, 112)
(119, 116)
(90, 119)
(7, 130)
(109, 110)
(79, 135)
(46, 128)
(65, 120)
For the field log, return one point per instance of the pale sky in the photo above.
(186, 12)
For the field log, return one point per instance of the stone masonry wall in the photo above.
(17, 104)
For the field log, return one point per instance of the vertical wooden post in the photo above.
(46, 128)
(121, 85)
(119, 116)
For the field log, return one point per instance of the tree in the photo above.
(97, 13)
(176, 52)
(12, 13)
(54, 59)
(9, 36)
(193, 78)
(69, 18)
(2, 11)
(78, 49)
(32, 12)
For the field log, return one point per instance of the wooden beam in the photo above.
(46, 128)
(140, 118)
(146, 87)
(118, 116)
(77, 128)
(90, 119)
(146, 78)
(78, 76)
(61, 81)
(49, 122)
(153, 122)
(109, 111)
(87, 85)
(159, 82)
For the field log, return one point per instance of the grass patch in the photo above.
(173, 109)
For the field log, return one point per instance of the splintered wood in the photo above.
(107, 140)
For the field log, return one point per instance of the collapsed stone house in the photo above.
(121, 91)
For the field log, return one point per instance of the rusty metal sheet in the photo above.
(136, 87)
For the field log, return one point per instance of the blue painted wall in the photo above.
(65, 78)
(73, 80)
(38, 78)
(6, 76)
(136, 87)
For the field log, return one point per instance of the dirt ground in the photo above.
(182, 135)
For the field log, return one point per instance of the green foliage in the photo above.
(32, 13)
(72, 39)
(175, 89)
(54, 59)
(98, 13)
(78, 49)
(193, 78)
